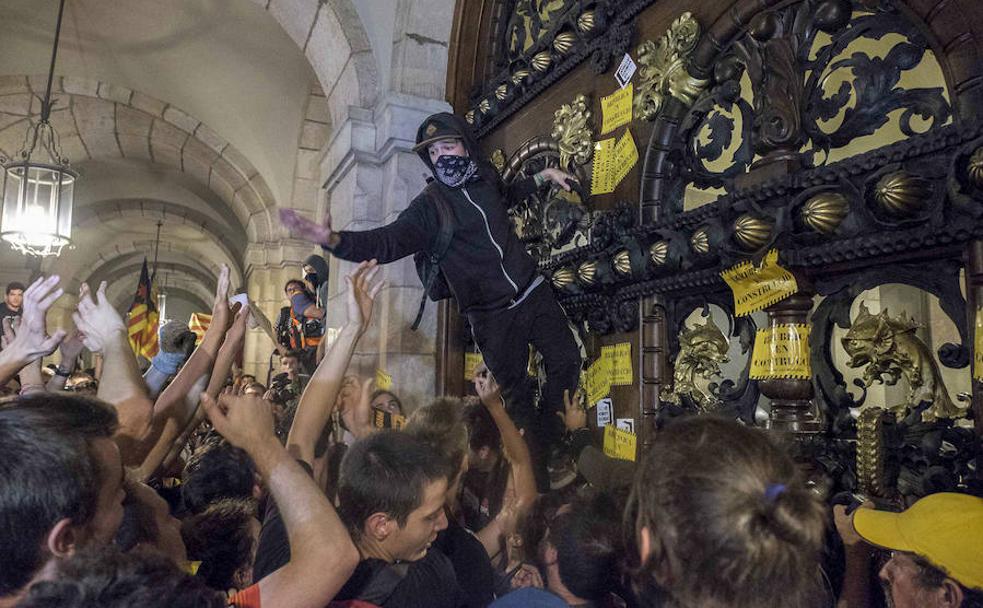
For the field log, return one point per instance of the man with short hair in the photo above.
(61, 483)
(391, 496)
(936, 552)
(13, 300)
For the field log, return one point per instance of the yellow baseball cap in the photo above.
(945, 528)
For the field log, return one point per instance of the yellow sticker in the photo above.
(471, 363)
(619, 443)
(597, 380)
(781, 351)
(616, 109)
(625, 156)
(383, 381)
(619, 363)
(978, 346)
(602, 179)
(758, 287)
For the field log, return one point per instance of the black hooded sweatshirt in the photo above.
(486, 266)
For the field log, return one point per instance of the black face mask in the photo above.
(453, 171)
(312, 279)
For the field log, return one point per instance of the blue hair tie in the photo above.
(773, 491)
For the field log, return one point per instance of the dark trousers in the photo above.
(504, 337)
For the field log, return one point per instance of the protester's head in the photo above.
(722, 517)
(386, 401)
(224, 538)
(446, 135)
(82, 383)
(391, 494)
(585, 545)
(254, 388)
(441, 426)
(484, 438)
(935, 551)
(61, 481)
(14, 297)
(294, 287)
(315, 270)
(290, 364)
(107, 578)
(221, 472)
(247, 379)
(148, 524)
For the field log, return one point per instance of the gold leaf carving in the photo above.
(662, 68)
(498, 159)
(572, 132)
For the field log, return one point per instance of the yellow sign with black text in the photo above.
(619, 443)
(616, 109)
(619, 363)
(781, 351)
(758, 287)
(471, 363)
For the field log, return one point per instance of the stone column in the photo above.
(371, 174)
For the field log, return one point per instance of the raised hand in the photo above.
(302, 228)
(246, 421)
(557, 176)
(574, 415)
(220, 306)
(70, 349)
(96, 318)
(32, 340)
(487, 387)
(363, 288)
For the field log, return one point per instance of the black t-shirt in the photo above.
(472, 566)
(5, 311)
(427, 583)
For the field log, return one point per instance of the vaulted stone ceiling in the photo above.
(188, 112)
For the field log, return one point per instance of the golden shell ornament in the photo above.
(622, 262)
(587, 273)
(659, 252)
(502, 92)
(700, 241)
(469, 117)
(519, 75)
(975, 168)
(563, 42)
(484, 106)
(562, 278)
(824, 212)
(902, 194)
(541, 61)
(585, 22)
(751, 232)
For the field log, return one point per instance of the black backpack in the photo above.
(428, 262)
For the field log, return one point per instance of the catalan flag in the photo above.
(142, 317)
(199, 324)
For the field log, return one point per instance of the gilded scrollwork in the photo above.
(889, 350)
(572, 132)
(662, 68)
(702, 348)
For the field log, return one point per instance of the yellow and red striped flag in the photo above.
(142, 318)
(198, 324)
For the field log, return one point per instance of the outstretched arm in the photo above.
(32, 341)
(318, 399)
(413, 231)
(322, 555)
(121, 384)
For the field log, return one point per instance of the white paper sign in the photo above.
(626, 424)
(604, 412)
(625, 71)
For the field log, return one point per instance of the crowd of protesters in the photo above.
(193, 485)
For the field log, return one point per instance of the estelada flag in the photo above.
(141, 321)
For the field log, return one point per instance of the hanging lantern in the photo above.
(38, 194)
